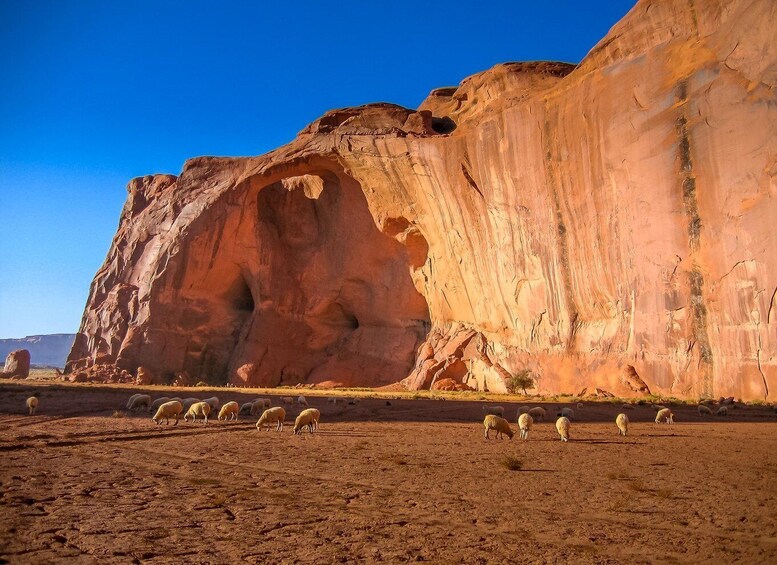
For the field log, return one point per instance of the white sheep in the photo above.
(665, 415)
(140, 401)
(198, 409)
(704, 410)
(538, 413)
(213, 402)
(525, 422)
(157, 403)
(275, 415)
(627, 406)
(658, 407)
(567, 413)
(288, 400)
(302, 401)
(32, 404)
(495, 410)
(168, 410)
(309, 418)
(229, 411)
(494, 422)
(722, 411)
(622, 421)
(562, 426)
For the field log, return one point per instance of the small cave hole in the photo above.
(240, 297)
(443, 125)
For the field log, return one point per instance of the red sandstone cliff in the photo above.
(581, 222)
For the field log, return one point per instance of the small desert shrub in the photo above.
(119, 414)
(511, 463)
(637, 486)
(664, 493)
(521, 381)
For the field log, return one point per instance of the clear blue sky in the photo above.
(97, 92)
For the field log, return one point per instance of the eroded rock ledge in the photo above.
(608, 225)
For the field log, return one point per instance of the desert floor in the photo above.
(85, 482)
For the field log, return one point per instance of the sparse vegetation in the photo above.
(511, 463)
(521, 381)
(119, 414)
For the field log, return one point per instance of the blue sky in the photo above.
(96, 93)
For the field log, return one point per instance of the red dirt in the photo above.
(414, 481)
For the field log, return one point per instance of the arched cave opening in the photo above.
(443, 125)
(293, 282)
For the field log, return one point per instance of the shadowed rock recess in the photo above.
(606, 225)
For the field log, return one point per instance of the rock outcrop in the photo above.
(574, 221)
(17, 365)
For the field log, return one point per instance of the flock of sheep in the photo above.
(165, 408)
(526, 416)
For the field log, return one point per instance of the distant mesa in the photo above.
(45, 350)
(603, 226)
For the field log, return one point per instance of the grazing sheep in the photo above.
(246, 408)
(626, 406)
(302, 401)
(562, 426)
(622, 421)
(140, 401)
(288, 400)
(229, 411)
(567, 413)
(188, 402)
(538, 413)
(198, 409)
(525, 422)
(494, 422)
(495, 410)
(157, 403)
(274, 415)
(665, 415)
(704, 410)
(722, 411)
(309, 418)
(213, 402)
(262, 402)
(132, 399)
(522, 410)
(658, 407)
(168, 410)
(32, 404)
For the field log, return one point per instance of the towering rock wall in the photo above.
(594, 224)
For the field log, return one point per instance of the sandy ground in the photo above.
(413, 481)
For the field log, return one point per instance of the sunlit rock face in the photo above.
(606, 226)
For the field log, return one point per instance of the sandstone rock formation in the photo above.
(570, 220)
(17, 365)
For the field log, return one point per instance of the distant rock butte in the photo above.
(609, 225)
